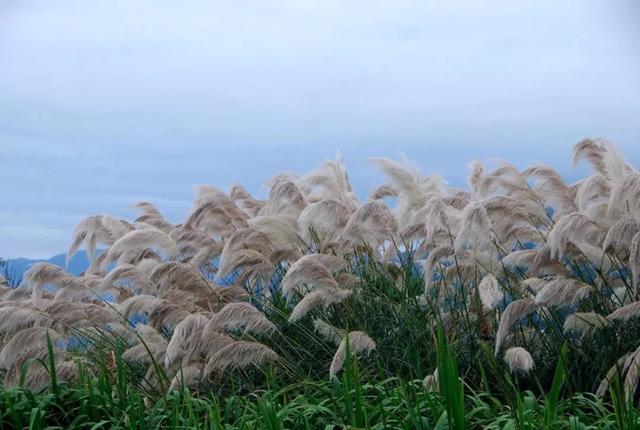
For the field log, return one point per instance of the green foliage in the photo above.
(343, 402)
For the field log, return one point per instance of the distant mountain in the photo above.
(13, 269)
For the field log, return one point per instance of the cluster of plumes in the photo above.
(511, 243)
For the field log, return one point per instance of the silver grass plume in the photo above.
(562, 292)
(544, 265)
(602, 155)
(238, 355)
(433, 258)
(516, 310)
(131, 245)
(313, 270)
(411, 187)
(285, 201)
(185, 336)
(359, 343)
(326, 218)
(490, 292)
(38, 376)
(634, 261)
(174, 275)
(140, 304)
(573, 228)
(209, 194)
(476, 176)
(625, 313)
(328, 332)
(506, 180)
(371, 224)
(592, 197)
(279, 232)
(508, 215)
(133, 277)
(218, 219)
(439, 217)
(552, 190)
(330, 181)
(245, 201)
(519, 360)
(584, 322)
(168, 314)
(385, 190)
(240, 316)
(210, 342)
(432, 382)
(620, 368)
(620, 234)
(195, 244)
(140, 353)
(520, 258)
(152, 216)
(187, 377)
(631, 379)
(77, 315)
(16, 316)
(96, 230)
(26, 344)
(624, 199)
(322, 297)
(41, 274)
(475, 231)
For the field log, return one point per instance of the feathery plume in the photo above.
(315, 299)
(41, 274)
(592, 197)
(573, 228)
(602, 156)
(328, 332)
(371, 224)
(240, 316)
(359, 343)
(624, 199)
(28, 343)
(185, 337)
(432, 382)
(584, 322)
(432, 259)
(552, 190)
(286, 201)
(490, 293)
(634, 261)
(313, 270)
(516, 310)
(245, 201)
(620, 235)
(187, 377)
(562, 292)
(96, 230)
(476, 230)
(325, 218)
(625, 313)
(519, 360)
(152, 216)
(132, 245)
(238, 355)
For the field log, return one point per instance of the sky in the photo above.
(106, 103)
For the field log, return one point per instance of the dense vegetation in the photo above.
(512, 304)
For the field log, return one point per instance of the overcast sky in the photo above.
(104, 103)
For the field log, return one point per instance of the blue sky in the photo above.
(104, 103)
